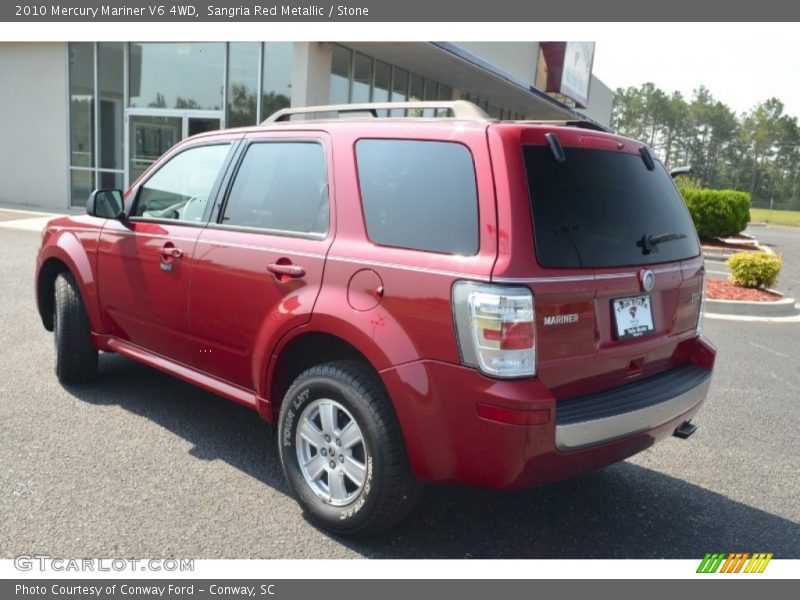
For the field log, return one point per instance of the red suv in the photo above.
(501, 304)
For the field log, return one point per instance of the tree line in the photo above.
(757, 151)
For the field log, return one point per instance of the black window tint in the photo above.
(181, 188)
(419, 195)
(594, 208)
(280, 186)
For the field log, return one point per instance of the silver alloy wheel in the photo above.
(331, 452)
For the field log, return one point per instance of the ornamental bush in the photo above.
(754, 269)
(717, 213)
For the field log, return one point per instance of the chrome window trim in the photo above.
(276, 232)
(426, 270)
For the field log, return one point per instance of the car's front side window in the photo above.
(181, 189)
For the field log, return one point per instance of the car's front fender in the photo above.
(73, 248)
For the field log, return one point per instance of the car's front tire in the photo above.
(76, 355)
(342, 450)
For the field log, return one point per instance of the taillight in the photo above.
(700, 307)
(496, 329)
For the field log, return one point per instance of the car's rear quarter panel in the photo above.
(413, 319)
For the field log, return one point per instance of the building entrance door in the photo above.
(150, 133)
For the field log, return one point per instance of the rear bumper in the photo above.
(540, 440)
(630, 409)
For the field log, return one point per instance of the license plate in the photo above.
(633, 316)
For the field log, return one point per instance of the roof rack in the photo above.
(460, 109)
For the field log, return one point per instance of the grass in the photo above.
(776, 217)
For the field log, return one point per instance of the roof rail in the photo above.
(461, 109)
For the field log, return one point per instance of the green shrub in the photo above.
(754, 269)
(717, 213)
(687, 182)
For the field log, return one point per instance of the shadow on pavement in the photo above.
(624, 511)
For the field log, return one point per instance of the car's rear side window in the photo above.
(419, 195)
(280, 187)
(599, 208)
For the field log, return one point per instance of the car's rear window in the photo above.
(605, 209)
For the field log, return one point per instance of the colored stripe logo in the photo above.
(734, 562)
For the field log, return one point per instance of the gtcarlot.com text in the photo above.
(37, 562)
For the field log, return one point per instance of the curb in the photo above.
(715, 256)
(782, 308)
(724, 254)
(720, 253)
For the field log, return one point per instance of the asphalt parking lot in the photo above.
(142, 465)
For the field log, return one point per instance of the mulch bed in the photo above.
(721, 289)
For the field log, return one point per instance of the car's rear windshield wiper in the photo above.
(649, 243)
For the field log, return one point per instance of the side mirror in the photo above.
(686, 170)
(106, 204)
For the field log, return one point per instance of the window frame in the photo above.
(429, 140)
(234, 144)
(224, 195)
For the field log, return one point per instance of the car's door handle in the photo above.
(170, 252)
(285, 271)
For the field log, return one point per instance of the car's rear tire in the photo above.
(76, 355)
(342, 450)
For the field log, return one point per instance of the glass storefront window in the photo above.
(431, 89)
(362, 78)
(383, 80)
(495, 111)
(81, 99)
(445, 93)
(399, 89)
(277, 77)
(81, 185)
(383, 76)
(431, 93)
(150, 138)
(111, 89)
(176, 75)
(340, 75)
(400, 85)
(416, 87)
(111, 180)
(243, 60)
(184, 86)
